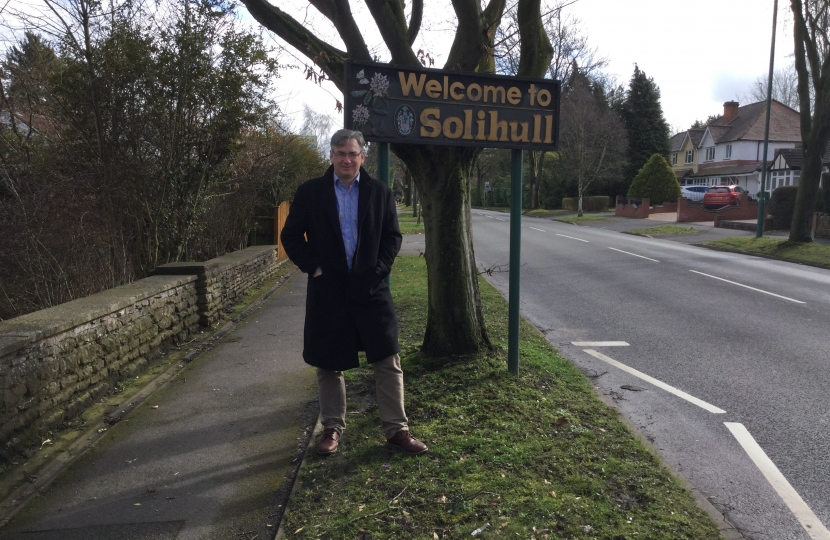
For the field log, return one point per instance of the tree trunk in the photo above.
(455, 323)
(407, 190)
(801, 229)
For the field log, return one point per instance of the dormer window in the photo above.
(710, 153)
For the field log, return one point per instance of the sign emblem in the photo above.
(405, 120)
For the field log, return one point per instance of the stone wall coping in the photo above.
(19, 332)
(214, 266)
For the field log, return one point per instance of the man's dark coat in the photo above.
(346, 312)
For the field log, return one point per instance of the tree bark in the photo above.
(455, 324)
(812, 63)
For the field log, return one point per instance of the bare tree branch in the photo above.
(328, 58)
(415, 20)
(340, 14)
(536, 50)
(391, 22)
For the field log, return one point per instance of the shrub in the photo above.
(782, 205)
(655, 181)
(597, 203)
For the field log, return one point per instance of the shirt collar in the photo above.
(355, 182)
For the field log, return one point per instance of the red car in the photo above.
(719, 196)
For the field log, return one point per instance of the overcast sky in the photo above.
(700, 54)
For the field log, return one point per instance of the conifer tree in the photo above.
(656, 182)
(648, 131)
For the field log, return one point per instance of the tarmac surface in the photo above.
(210, 455)
(213, 453)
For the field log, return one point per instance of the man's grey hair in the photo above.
(342, 136)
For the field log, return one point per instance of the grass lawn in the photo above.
(407, 223)
(541, 212)
(577, 219)
(535, 457)
(812, 253)
(664, 229)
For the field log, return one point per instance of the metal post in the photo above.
(759, 229)
(515, 260)
(384, 176)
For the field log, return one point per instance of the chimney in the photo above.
(730, 111)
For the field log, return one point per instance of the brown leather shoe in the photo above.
(403, 440)
(329, 442)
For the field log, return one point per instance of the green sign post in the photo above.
(405, 105)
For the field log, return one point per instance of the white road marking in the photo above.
(599, 343)
(815, 529)
(748, 287)
(571, 237)
(627, 253)
(485, 215)
(500, 219)
(659, 384)
(540, 230)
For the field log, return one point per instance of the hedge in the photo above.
(782, 206)
(597, 203)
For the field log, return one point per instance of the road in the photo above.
(725, 358)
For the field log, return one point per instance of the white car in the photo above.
(693, 193)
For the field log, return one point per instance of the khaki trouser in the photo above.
(388, 390)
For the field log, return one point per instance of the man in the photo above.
(343, 232)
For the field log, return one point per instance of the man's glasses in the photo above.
(352, 155)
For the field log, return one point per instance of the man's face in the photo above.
(347, 160)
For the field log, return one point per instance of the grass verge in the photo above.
(812, 253)
(577, 219)
(408, 224)
(664, 229)
(538, 456)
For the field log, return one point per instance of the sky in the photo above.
(699, 54)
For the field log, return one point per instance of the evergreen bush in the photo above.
(782, 206)
(597, 203)
(655, 181)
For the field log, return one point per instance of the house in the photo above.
(731, 148)
(683, 154)
(785, 169)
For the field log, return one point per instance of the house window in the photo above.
(796, 176)
(728, 151)
(674, 159)
(690, 156)
(710, 153)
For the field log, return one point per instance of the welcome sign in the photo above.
(430, 106)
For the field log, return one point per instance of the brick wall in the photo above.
(632, 208)
(55, 362)
(688, 211)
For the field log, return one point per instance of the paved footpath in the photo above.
(202, 458)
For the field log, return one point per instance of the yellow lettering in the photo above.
(514, 95)
(532, 92)
(495, 125)
(544, 98)
(474, 87)
(514, 131)
(453, 127)
(548, 128)
(433, 88)
(537, 128)
(429, 119)
(480, 133)
(410, 83)
(455, 86)
(494, 93)
(468, 124)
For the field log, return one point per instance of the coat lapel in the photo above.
(363, 199)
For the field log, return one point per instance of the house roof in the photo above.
(793, 156)
(696, 135)
(748, 125)
(676, 142)
(683, 173)
(731, 169)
